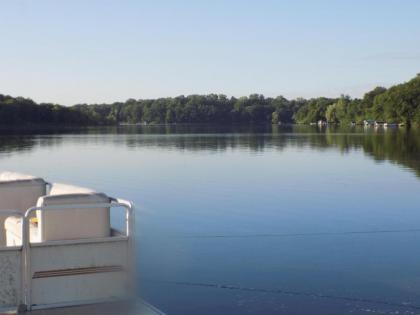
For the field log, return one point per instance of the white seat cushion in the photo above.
(70, 224)
(18, 192)
(13, 176)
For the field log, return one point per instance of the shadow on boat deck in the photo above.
(139, 307)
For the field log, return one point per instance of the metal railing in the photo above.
(26, 283)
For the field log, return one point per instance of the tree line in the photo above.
(397, 104)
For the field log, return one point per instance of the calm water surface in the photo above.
(291, 220)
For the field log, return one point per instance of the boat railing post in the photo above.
(26, 242)
(25, 245)
(130, 233)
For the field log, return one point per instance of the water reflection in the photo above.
(259, 220)
(400, 146)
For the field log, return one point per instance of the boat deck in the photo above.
(140, 307)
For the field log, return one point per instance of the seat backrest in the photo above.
(68, 224)
(18, 192)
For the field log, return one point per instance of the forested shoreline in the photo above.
(397, 104)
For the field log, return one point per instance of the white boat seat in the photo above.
(73, 223)
(67, 224)
(18, 192)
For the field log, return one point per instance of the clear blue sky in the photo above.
(103, 51)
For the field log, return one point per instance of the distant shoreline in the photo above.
(399, 104)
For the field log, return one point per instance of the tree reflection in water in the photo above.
(400, 145)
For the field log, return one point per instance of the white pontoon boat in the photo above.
(58, 249)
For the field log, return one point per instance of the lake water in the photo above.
(262, 220)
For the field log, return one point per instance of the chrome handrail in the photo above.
(26, 244)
